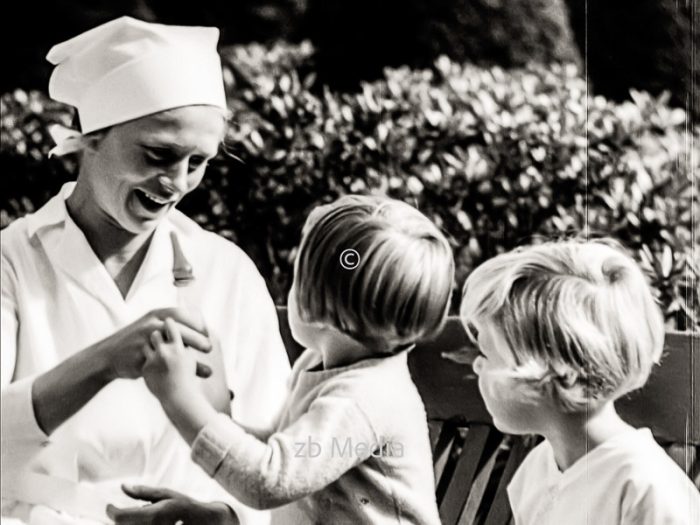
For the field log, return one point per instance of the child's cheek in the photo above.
(492, 388)
(505, 401)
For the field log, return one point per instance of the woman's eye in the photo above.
(155, 156)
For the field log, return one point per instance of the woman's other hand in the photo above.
(124, 351)
(169, 506)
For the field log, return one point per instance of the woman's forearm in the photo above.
(66, 388)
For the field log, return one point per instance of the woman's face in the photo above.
(141, 169)
(513, 405)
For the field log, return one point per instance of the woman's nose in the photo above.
(176, 180)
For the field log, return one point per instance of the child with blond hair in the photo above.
(564, 330)
(372, 276)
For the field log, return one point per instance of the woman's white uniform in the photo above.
(57, 299)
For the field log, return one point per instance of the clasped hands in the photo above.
(126, 351)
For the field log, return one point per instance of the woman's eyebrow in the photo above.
(156, 143)
(175, 149)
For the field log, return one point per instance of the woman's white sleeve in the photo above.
(21, 436)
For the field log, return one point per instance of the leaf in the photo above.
(464, 220)
(347, 113)
(432, 174)
(317, 140)
(370, 143)
(285, 83)
(435, 118)
(666, 261)
(256, 139)
(538, 154)
(452, 160)
(278, 105)
(633, 219)
(372, 104)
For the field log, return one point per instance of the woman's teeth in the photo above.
(155, 198)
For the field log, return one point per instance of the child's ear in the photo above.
(548, 395)
(541, 393)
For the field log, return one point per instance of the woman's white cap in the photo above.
(127, 68)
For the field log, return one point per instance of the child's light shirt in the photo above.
(351, 447)
(628, 479)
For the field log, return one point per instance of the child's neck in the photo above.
(344, 355)
(572, 436)
(339, 350)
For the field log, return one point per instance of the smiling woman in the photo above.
(139, 170)
(89, 278)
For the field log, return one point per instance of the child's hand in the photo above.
(170, 368)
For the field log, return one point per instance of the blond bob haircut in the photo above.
(401, 289)
(578, 317)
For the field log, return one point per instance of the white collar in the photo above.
(68, 249)
(51, 213)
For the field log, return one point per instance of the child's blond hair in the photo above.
(578, 317)
(401, 288)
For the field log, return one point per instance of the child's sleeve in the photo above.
(332, 437)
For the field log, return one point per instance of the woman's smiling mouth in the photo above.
(152, 202)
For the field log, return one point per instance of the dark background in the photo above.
(622, 44)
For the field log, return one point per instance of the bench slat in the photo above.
(464, 473)
(482, 483)
(442, 453)
(499, 512)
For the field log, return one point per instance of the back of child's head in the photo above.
(398, 286)
(579, 318)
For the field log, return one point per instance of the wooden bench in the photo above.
(474, 462)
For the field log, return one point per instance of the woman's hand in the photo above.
(63, 390)
(124, 351)
(170, 507)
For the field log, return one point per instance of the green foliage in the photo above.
(496, 158)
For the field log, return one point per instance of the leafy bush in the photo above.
(496, 158)
(29, 179)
